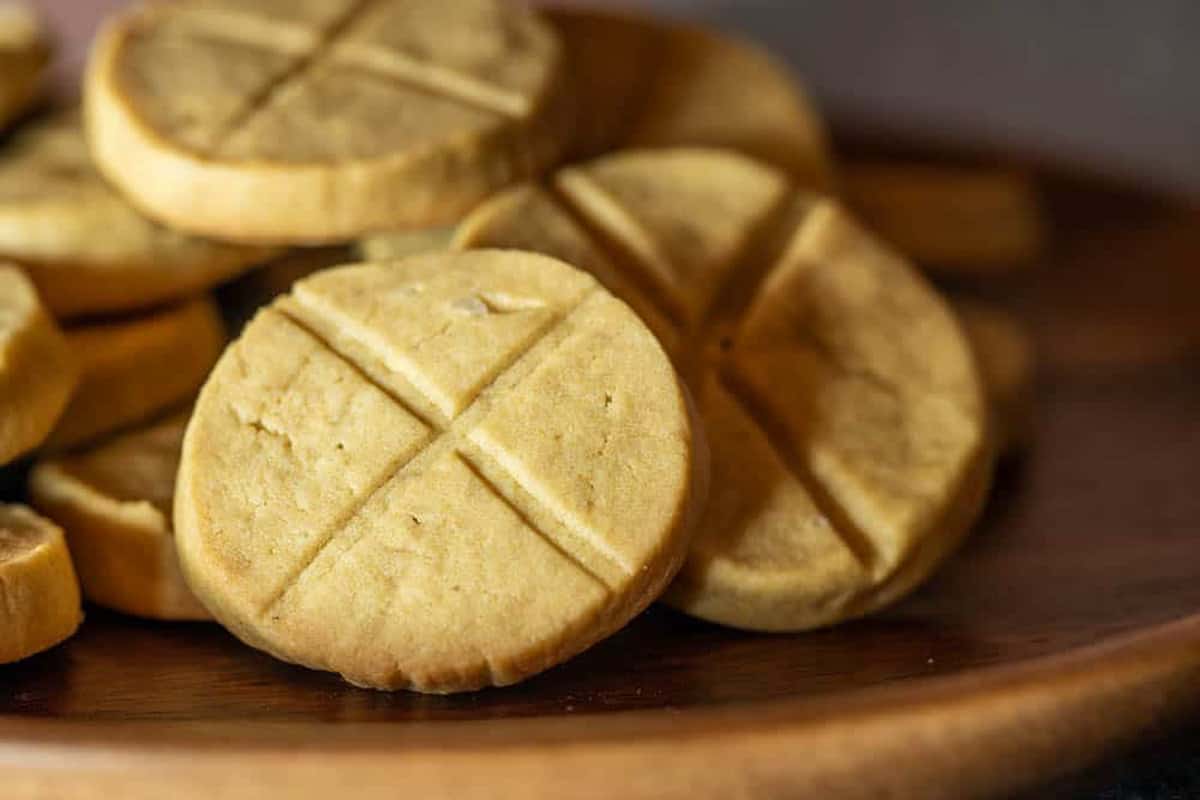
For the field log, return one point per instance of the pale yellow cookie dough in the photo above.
(114, 504)
(135, 367)
(1007, 362)
(645, 82)
(87, 250)
(37, 370)
(441, 473)
(311, 124)
(24, 56)
(40, 596)
(849, 439)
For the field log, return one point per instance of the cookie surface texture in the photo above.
(136, 367)
(85, 247)
(678, 85)
(24, 56)
(114, 505)
(840, 399)
(442, 473)
(41, 595)
(37, 368)
(318, 122)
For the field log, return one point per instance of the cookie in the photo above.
(644, 82)
(953, 220)
(87, 250)
(41, 595)
(441, 473)
(841, 401)
(114, 503)
(37, 370)
(1005, 352)
(134, 368)
(323, 122)
(24, 56)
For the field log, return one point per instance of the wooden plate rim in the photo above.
(1140, 658)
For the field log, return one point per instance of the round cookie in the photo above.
(24, 55)
(41, 595)
(442, 473)
(133, 368)
(840, 399)
(114, 503)
(87, 250)
(37, 370)
(321, 122)
(678, 85)
(1005, 352)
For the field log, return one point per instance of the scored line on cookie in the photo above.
(451, 438)
(260, 100)
(856, 540)
(327, 48)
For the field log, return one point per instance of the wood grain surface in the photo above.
(1068, 625)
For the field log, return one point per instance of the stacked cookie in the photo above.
(613, 341)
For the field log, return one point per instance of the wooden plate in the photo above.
(1068, 625)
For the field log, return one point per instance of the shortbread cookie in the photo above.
(114, 504)
(133, 368)
(24, 55)
(37, 370)
(1005, 352)
(323, 122)
(84, 246)
(841, 401)
(643, 82)
(956, 220)
(441, 473)
(37, 583)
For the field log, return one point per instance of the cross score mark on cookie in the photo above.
(335, 46)
(459, 437)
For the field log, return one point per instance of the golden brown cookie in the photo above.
(41, 595)
(1005, 351)
(114, 503)
(37, 370)
(24, 56)
(954, 220)
(645, 82)
(133, 368)
(841, 401)
(322, 122)
(87, 250)
(439, 474)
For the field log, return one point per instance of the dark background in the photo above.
(1109, 86)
